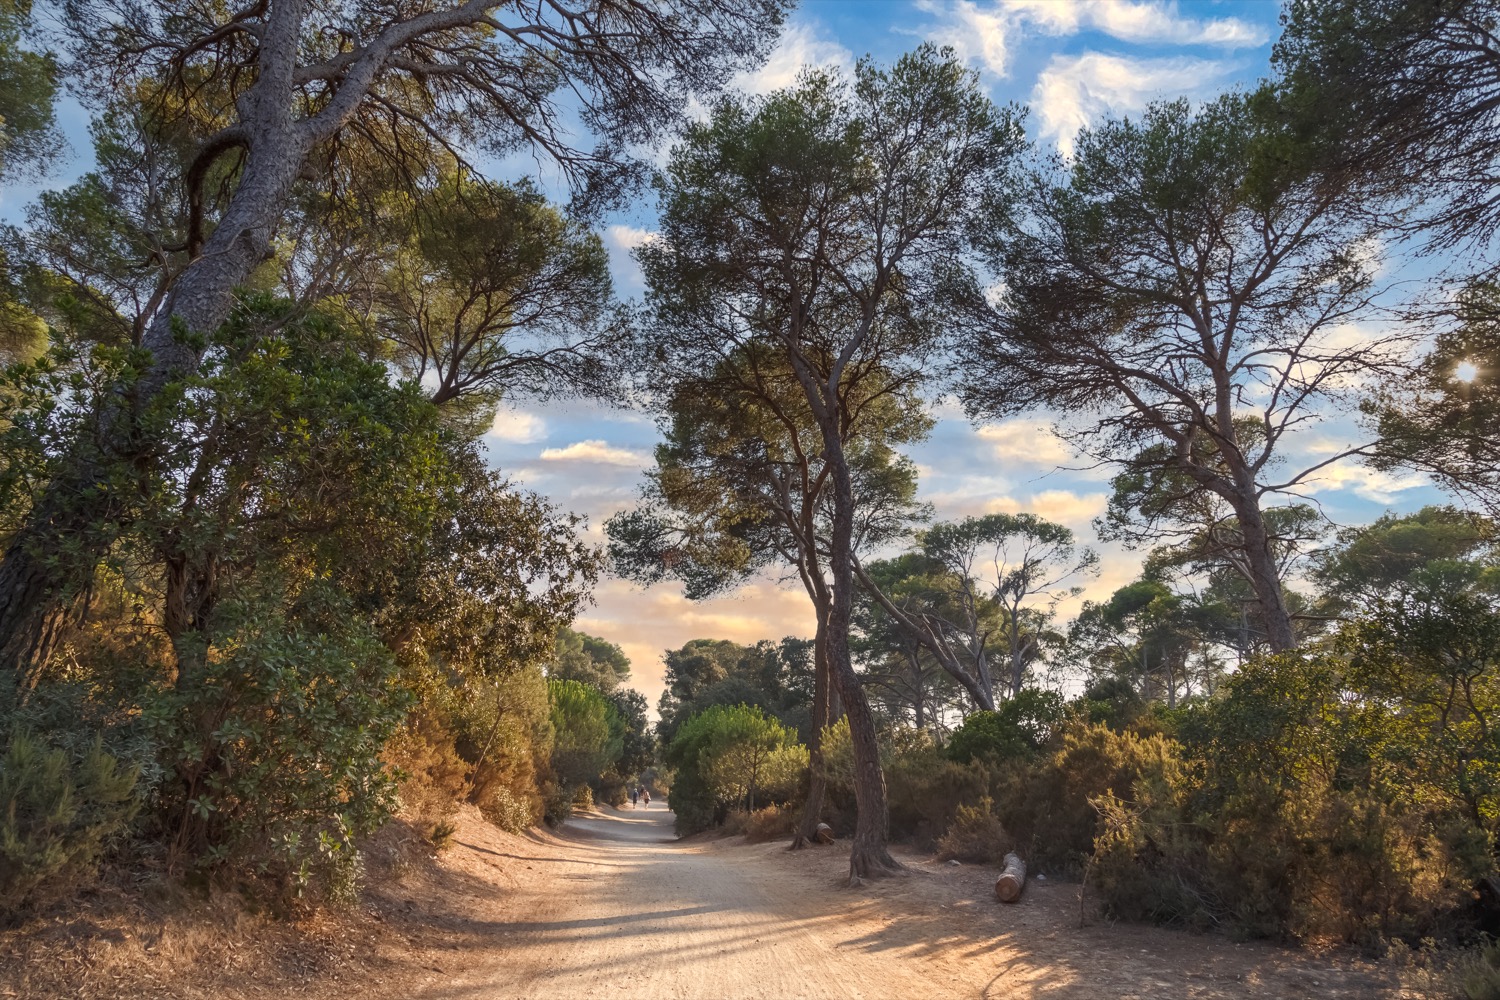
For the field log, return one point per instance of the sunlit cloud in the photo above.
(597, 452)
(647, 622)
(517, 427)
(1363, 481)
(1025, 440)
(1076, 510)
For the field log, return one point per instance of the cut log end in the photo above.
(823, 834)
(1012, 880)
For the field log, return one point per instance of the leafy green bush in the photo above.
(1019, 728)
(57, 816)
(588, 738)
(276, 745)
(726, 756)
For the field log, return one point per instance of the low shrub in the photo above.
(771, 823)
(431, 778)
(975, 835)
(926, 791)
(1046, 803)
(57, 816)
(1481, 973)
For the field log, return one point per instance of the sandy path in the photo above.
(633, 913)
(616, 907)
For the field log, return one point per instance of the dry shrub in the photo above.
(433, 778)
(1048, 806)
(736, 821)
(771, 823)
(927, 790)
(442, 835)
(1315, 861)
(1480, 972)
(975, 835)
(506, 735)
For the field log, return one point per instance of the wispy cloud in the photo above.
(1073, 91)
(989, 33)
(1136, 21)
(801, 44)
(597, 452)
(978, 33)
(1363, 481)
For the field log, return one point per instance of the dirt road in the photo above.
(616, 907)
(613, 906)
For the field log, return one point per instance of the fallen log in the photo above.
(823, 834)
(1012, 880)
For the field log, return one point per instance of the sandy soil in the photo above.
(614, 906)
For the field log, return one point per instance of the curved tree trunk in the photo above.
(75, 519)
(869, 857)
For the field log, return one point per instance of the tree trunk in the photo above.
(1265, 578)
(34, 598)
(73, 516)
(919, 701)
(817, 776)
(869, 856)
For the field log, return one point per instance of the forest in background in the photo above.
(261, 591)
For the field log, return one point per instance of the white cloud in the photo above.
(977, 34)
(597, 452)
(1074, 90)
(1076, 510)
(518, 427)
(1363, 481)
(988, 33)
(619, 240)
(1025, 440)
(1136, 21)
(800, 45)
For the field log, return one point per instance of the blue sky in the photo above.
(1067, 62)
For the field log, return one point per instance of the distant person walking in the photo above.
(635, 793)
(646, 798)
